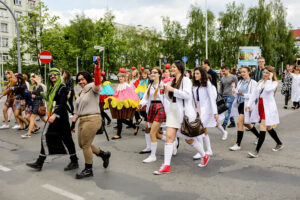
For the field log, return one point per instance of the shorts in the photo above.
(19, 104)
(241, 108)
(28, 110)
(156, 113)
(261, 110)
(9, 103)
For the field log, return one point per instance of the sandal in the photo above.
(116, 137)
(136, 130)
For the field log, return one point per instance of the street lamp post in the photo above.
(18, 37)
(206, 47)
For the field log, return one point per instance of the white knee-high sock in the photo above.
(220, 127)
(168, 153)
(164, 136)
(207, 142)
(148, 141)
(153, 149)
(198, 147)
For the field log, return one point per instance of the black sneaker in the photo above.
(71, 166)
(84, 173)
(278, 147)
(231, 125)
(105, 157)
(224, 126)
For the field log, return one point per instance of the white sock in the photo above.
(168, 153)
(207, 142)
(153, 149)
(198, 147)
(220, 127)
(164, 136)
(148, 141)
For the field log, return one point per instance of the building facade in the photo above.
(7, 24)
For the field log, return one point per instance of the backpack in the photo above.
(28, 97)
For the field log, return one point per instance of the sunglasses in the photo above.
(52, 74)
(82, 79)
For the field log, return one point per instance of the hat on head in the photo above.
(122, 72)
(133, 68)
(142, 68)
(103, 73)
(167, 66)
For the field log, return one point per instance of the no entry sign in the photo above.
(45, 57)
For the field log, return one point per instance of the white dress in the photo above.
(295, 87)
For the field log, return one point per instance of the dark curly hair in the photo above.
(203, 80)
(86, 75)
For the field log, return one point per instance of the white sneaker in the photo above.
(235, 147)
(4, 126)
(25, 136)
(210, 153)
(175, 143)
(197, 156)
(149, 159)
(225, 135)
(16, 127)
(255, 141)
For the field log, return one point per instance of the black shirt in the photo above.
(214, 77)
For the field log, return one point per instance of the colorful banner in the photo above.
(248, 56)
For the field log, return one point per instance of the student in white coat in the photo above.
(267, 109)
(154, 99)
(204, 94)
(244, 89)
(180, 95)
(296, 87)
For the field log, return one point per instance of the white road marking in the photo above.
(5, 169)
(62, 192)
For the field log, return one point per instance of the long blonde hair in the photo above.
(272, 70)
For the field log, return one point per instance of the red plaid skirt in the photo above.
(156, 113)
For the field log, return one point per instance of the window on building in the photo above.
(4, 57)
(298, 38)
(4, 42)
(4, 28)
(18, 14)
(31, 3)
(17, 2)
(3, 13)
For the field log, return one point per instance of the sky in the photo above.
(148, 13)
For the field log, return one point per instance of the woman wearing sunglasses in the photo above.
(56, 137)
(267, 109)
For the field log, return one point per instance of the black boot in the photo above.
(105, 157)
(38, 164)
(73, 164)
(87, 172)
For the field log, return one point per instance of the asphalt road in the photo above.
(229, 175)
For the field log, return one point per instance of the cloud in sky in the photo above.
(149, 12)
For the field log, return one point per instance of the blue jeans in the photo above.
(229, 101)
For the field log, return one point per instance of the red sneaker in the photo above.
(204, 161)
(165, 169)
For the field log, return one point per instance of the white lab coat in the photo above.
(248, 119)
(270, 108)
(295, 88)
(184, 92)
(147, 101)
(208, 106)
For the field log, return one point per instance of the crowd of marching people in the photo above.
(172, 105)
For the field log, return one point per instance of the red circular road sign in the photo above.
(45, 57)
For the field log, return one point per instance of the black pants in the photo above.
(68, 142)
(286, 98)
(104, 115)
(70, 108)
(120, 123)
